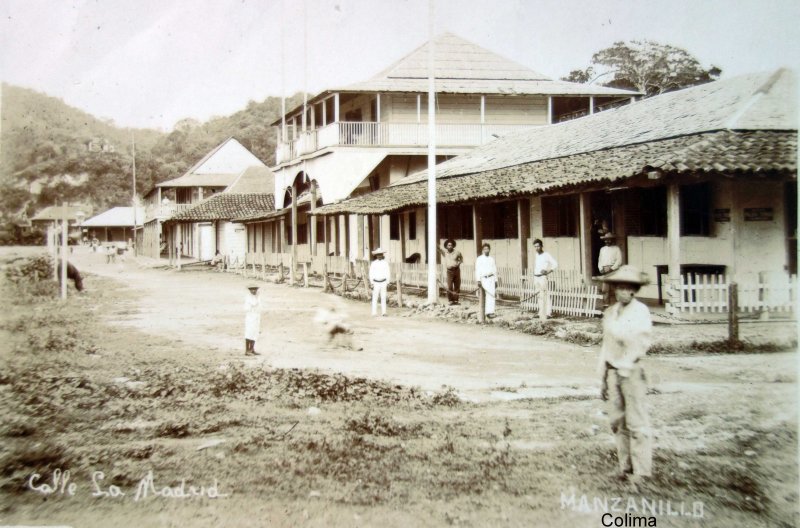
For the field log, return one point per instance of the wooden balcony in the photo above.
(373, 134)
(165, 211)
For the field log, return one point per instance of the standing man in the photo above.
(544, 265)
(627, 329)
(379, 275)
(610, 260)
(252, 320)
(452, 260)
(486, 275)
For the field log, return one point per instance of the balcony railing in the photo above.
(164, 211)
(370, 134)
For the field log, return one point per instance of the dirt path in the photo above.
(204, 309)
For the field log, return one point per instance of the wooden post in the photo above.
(365, 278)
(64, 236)
(673, 242)
(476, 229)
(586, 236)
(400, 286)
(52, 242)
(291, 268)
(313, 218)
(481, 304)
(733, 315)
(305, 274)
(179, 246)
(523, 230)
(326, 283)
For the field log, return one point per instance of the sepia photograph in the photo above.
(399, 263)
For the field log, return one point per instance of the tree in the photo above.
(646, 66)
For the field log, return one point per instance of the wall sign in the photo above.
(722, 215)
(758, 214)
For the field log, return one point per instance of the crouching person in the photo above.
(627, 328)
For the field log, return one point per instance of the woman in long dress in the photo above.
(486, 275)
(252, 320)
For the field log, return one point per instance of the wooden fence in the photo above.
(709, 293)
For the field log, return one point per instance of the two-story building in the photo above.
(353, 140)
(702, 180)
(212, 174)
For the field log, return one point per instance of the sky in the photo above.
(150, 63)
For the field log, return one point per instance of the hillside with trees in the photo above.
(52, 151)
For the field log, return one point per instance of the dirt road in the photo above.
(204, 309)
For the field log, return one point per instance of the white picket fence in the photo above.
(709, 293)
(568, 293)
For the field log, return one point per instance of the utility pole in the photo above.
(433, 288)
(64, 235)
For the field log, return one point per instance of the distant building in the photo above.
(114, 225)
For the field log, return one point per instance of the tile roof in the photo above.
(765, 101)
(116, 217)
(226, 206)
(257, 217)
(730, 152)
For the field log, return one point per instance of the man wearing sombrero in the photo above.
(627, 329)
(609, 260)
(379, 276)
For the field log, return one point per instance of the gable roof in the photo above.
(226, 206)
(56, 212)
(206, 174)
(461, 66)
(116, 217)
(743, 125)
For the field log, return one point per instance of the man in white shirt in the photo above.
(610, 260)
(627, 332)
(543, 266)
(486, 275)
(379, 275)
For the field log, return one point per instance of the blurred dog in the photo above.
(339, 332)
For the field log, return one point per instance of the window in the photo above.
(646, 211)
(394, 226)
(412, 225)
(503, 218)
(560, 216)
(695, 205)
(302, 233)
(455, 221)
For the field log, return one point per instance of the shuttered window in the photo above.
(646, 211)
(560, 216)
(394, 226)
(412, 225)
(455, 221)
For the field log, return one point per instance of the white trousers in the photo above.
(489, 288)
(379, 288)
(542, 288)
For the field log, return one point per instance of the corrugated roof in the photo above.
(763, 153)
(116, 217)
(226, 206)
(765, 101)
(461, 66)
(253, 180)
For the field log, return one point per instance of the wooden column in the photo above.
(294, 226)
(619, 222)
(549, 110)
(378, 107)
(476, 229)
(524, 230)
(673, 239)
(401, 218)
(591, 105)
(324, 112)
(326, 233)
(282, 235)
(313, 219)
(336, 107)
(585, 223)
(361, 239)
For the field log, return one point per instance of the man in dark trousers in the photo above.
(452, 260)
